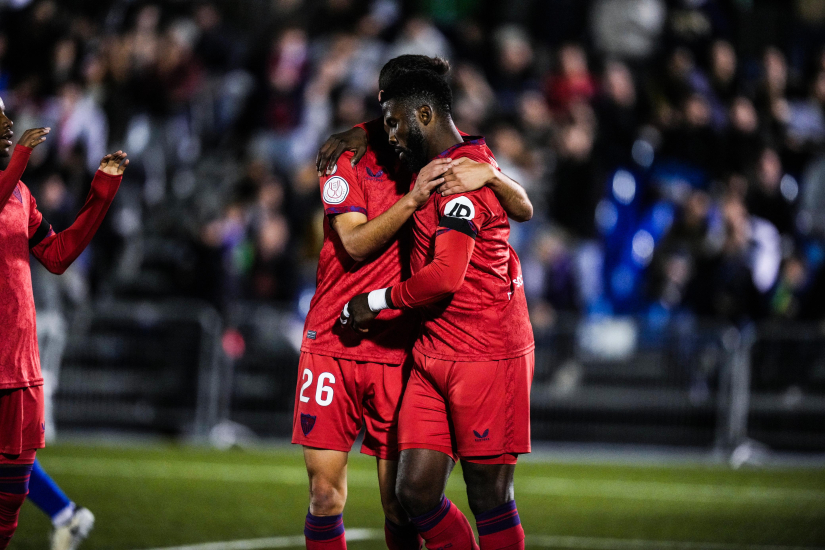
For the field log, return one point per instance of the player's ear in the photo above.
(425, 115)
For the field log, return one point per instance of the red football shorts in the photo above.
(477, 411)
(334, 397)
(22, 425)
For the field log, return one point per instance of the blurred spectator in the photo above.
(660, 146)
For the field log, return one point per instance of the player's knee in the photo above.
(325, 498)
(395, 512)
(417, 495)
(488, 486)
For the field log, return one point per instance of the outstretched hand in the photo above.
(33, 137)
(114, 164)
(354, 139)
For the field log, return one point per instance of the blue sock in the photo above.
(46, 495)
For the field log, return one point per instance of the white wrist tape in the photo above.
(377, 300)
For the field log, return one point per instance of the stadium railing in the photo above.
(181, 369)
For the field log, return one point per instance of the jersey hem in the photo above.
(472, 358)
(352, 356)
(21, 384)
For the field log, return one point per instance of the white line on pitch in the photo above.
(533, 485)
(543, 541)
(594, 543)
(353, 535)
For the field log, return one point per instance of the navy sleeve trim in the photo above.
(41, 233)
(460, 225)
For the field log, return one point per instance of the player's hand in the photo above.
(354, 139)
(33, 137)
(114, 164)
(465, 175)
(430, 177)
(357, 313)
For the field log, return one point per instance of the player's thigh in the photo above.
(327, 403)
(489, 403)
(424, 421)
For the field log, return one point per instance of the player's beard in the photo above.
(415, 153)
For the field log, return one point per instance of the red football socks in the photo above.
(14, 485)
(500, 528)
(446, 527)
(401, 537)
(325, 532)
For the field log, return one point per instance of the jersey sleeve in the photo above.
(39, 228)
(466, 213)
(373, 128)
(341, 191)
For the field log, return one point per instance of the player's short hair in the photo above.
(420, 87)
(402, 64)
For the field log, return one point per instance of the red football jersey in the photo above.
(371, 187)
(487, 318)
(19, 357)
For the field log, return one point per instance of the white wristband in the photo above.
(377, 300)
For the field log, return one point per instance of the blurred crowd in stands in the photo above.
(673, 149)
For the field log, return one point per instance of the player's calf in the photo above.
(324, 526)
(399, 532)
(491, 496)
(422, 477)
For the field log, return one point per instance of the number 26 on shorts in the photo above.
(323, 394)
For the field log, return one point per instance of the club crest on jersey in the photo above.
(460, 207)
(307, 423)
(336, 190)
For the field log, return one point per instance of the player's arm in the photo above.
(442, 277)
(19, 159)
(467, 175)
(362, 238)
(57, 251)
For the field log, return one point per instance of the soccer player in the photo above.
(24, 232)
(468, 396)
(346, 379)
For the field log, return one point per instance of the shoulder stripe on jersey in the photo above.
(344, 209)
(457, 224)
(41, 233)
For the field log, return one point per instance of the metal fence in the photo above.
(181, 369)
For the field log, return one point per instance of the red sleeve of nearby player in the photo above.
(341, 191)
(57, 251)
(13, 172)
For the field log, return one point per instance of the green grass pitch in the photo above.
(161, 496)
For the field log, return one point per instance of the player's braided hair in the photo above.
(402, 64)
(420, 87)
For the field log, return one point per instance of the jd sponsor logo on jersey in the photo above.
(482, 436)
(336, 190)
(460, 207)
(307, 423)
